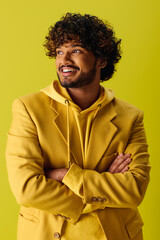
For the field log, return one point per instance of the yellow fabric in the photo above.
(37, 140)
(84, 121)
(83, 229)
(68, 134)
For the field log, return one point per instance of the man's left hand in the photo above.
(56, 174)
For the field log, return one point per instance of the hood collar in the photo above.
(58, 93)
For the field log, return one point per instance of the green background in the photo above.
(24, 69)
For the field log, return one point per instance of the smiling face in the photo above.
(76, 67)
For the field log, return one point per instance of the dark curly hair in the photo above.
(92, 33)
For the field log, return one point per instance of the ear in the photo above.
(101, 62)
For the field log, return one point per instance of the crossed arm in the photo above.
(35, 188)
(126, 188)
(119, 165)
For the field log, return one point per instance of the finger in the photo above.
(127, 155)
(118, 161)
(114, 164)
(125, 169)
(123, 165)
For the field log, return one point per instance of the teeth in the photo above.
(68, 70)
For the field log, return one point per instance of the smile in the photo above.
(66, 70)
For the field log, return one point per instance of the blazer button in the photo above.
(104, 199)
(57, 235)
(59, 215)
(94, 199)
(99, 199)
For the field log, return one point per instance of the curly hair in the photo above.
(92, 33)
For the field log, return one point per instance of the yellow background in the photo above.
(24, 68)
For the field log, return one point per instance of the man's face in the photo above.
(76, 67)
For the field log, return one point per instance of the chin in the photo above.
(66, 83)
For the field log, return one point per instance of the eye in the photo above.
(59, 52)
(77, 51)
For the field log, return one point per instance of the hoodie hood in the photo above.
(60, 94)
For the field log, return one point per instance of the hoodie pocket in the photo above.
(133, 226)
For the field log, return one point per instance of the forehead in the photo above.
(71, 44)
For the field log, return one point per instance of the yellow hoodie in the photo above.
(78, 119)
(81, 120)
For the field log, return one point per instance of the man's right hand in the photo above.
(120, 163)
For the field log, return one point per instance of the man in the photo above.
(69, 145)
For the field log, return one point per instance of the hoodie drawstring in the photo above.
(68, 134)
(98, 107)
(68, 131)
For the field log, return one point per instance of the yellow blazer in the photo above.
(37, 140)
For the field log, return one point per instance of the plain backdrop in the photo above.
(24, 69)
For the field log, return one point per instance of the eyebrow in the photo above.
(74, 45)
(78, 45)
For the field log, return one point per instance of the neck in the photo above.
(85, 96)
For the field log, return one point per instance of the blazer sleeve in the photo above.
(25, 170)
(116, 190)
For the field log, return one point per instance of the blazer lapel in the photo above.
(60, 120)
(103, 130)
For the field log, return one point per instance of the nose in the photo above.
(66, 58)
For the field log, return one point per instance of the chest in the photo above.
(105, 138)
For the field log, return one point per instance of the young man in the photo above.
(69, 145)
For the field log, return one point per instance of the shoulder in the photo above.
(121, 107)
(126, 110)
(32, 100)
(36, 106)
